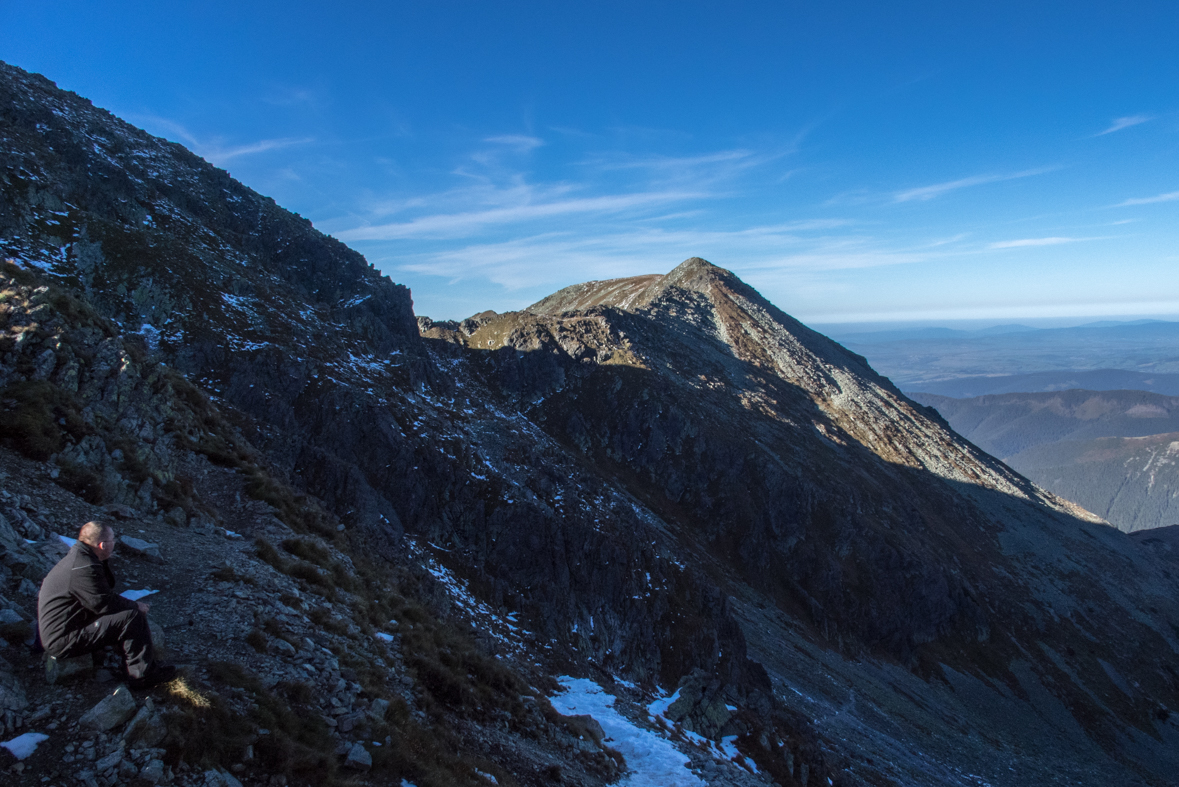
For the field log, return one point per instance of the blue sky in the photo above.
(852, 160)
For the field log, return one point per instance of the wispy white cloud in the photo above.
(545, 260)
(713, 168)
(216, 151)
(521, 143)
(1168, 197)
(221, 155)
(673, 162)
(614, 188)
(1126, 122)
(288, 96)
(452, 225)
(1022, 242)
(924, 193)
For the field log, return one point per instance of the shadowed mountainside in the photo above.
(1113, 452)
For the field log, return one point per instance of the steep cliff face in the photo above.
(663, 478)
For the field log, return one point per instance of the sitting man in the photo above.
(79, 612)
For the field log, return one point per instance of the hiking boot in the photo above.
(156, 674)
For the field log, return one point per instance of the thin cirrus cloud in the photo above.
(449, 225)
(221, 155)
(924, 193)
(1126, 122)
(499, 196)
(524, 263)
(216, 152)
(1024, 242)
(676, 162)
(709, 168)
(521, 143)
(1168, 197)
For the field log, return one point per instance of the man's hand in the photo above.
(142, 607)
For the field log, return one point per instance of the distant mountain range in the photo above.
(1114, 452)
(844, 334)
(1089, 380)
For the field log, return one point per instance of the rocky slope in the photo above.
(1113, 452)
(663, 480)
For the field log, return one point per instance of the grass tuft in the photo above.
(181, 691)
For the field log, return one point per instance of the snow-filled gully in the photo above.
(652, 761)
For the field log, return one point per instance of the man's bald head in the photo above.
(95, 533)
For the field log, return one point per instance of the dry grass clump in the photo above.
(181, 691)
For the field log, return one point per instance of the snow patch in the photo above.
(151, 336)
(23, 745)
(653, 761)
(660, 706)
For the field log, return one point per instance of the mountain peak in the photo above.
(691, 267)
(631, 293)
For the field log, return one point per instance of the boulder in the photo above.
(109, 762)
(703, 706)
(378, 709)
(144, 549)
(282, 646)
(221, 779)
(57, 670)
(358, 758)
(158, 642)
(119, 511)
(112, 711)
(146, 729)
(153, 772)
(351, 721)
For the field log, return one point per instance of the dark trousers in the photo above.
(127, 629)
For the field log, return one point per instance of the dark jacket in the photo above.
(76, 592)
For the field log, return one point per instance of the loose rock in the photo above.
(153, 772)
(112, 711)
(145, 549)
(358, 758)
